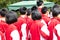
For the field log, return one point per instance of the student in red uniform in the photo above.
(36, 28)
(2, 20)
(3, 12)
(54, 24)
(22, 23)
(11, 31)
(29, 21)
(40, 4)
(45, 13)
(35, 8)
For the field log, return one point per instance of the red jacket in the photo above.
(11, 32)
(2, 27)
(35, 30)
(51, 26)
(58, 19)
(44, 31)
(45, 18)
(29, 23)
(21, 25)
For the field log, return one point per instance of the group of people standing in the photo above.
(36, 23)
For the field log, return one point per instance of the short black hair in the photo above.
(23, 10)
(5, 10)
(55, 6)
(11, 17)
(44, 10)
(29, 12)
(39, 3)
(2, 13)
(34, 8)
(36, 15)
(56, 11)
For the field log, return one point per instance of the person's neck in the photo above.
(40, 6)
(54, 17)
(2, 18)
(23, 16)
(46, 14)
(29, 16)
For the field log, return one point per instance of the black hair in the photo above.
(44, 10)
(11, 17)
(39, 3)
(36, 15)
(56, 12)
(23, 10)
(55, 6)
(34, 8)
(5, 10)
(2, 13)
(29, 12)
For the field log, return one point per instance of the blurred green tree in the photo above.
(4, 3)
(55, 1)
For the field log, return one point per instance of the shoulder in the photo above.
(53, 22)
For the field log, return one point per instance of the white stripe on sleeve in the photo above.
(45, 29)
(57, 27)
(15, 35)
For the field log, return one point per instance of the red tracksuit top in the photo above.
(29, 23)
(45, 18)
(11, 32)
(51, 26)
(44, 31)
(2, 26)
(21, 25)
(35, 30)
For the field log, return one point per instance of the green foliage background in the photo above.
(55, 1)
(4, 3)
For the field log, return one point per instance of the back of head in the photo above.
(39, 3)
(29, 12)
(23, 10)
(34, 8)
(56, 11)
(11, 17)
(36, 15)
(55, 6)
(2, 13)
(5, 10)
(44, 10)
